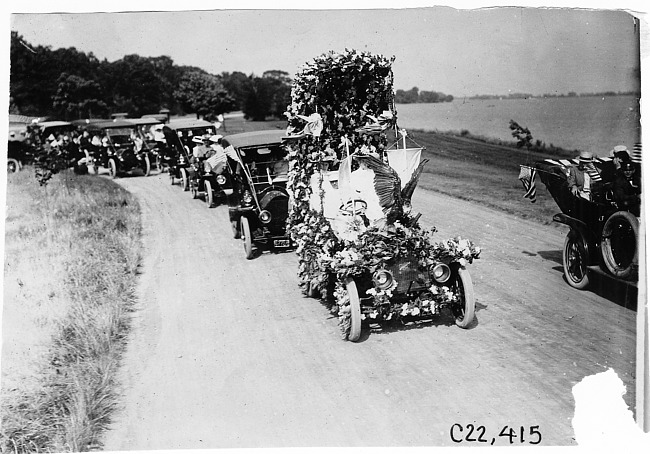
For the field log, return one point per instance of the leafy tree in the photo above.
(257, 98)
(77, 97)
(429, 97)
(237, 84)
(133, 84)
(407, 97)
(522, 134)
(203, 94)
(279, 85)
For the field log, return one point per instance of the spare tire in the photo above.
(619, 244)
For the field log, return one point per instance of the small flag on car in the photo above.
(636, 153)
(527, 178)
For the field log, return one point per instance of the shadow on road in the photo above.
(553, 256)
(620, 293)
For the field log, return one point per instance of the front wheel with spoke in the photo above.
(463, 288)
(575, 259)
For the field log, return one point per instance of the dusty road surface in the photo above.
(227, 352)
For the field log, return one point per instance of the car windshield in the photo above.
(118, 132)
(266, 164)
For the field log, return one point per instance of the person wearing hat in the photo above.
(202, 150)
(217, 161)
(627, 192)
(581, 178)
(619, 155)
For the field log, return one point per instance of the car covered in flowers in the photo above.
(603, 233)
(360, 248)
(259, 203)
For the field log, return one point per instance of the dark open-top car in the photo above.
(603, 235)
(114, 146)
(147, 132)
(259, 204)
(179, 134)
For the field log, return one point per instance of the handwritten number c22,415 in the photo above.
(476, 434)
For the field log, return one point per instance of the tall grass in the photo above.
(92, 240)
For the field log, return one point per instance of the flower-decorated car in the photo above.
(259, 203)
(360, 249)
(603, 231)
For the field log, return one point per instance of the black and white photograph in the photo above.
(236, 225)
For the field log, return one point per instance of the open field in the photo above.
(71, 255)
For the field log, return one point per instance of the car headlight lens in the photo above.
(221, 179)
(247, 198)
(265, 217)
(383, 279)
(440, 273)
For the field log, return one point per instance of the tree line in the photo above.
(68, 84)
(414, 95)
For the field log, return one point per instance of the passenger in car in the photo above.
(626, 191)
(583, 178)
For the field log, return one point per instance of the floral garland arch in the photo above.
(342, 103)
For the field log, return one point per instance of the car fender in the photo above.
(578, 227)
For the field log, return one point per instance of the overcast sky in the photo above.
(458, 52)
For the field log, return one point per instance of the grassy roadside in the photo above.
(71, 256)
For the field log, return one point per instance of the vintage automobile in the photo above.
(259, 203)
(19, 151)
(181, 144)
(385, 270)
(146, 130)
(54, 135)
(210, 178)
(603, 235)
(118, 151)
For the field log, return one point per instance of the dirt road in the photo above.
(227, 352)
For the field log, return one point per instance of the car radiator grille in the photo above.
(408, 275)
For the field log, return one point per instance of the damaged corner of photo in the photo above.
(602, 418)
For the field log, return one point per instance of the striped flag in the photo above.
(636, 153)
(527, 178)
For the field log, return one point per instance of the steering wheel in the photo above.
(353, 206)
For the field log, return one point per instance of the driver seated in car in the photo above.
(584, 178)
(627, 193)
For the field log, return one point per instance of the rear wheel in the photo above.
(112, 168)
(464, 290)
(619, 244)
(185, 182)
(355, 310)
(246, 237)
(12, 165)
(575, 259)
(209, 196)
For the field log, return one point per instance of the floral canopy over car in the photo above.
(342, 107)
